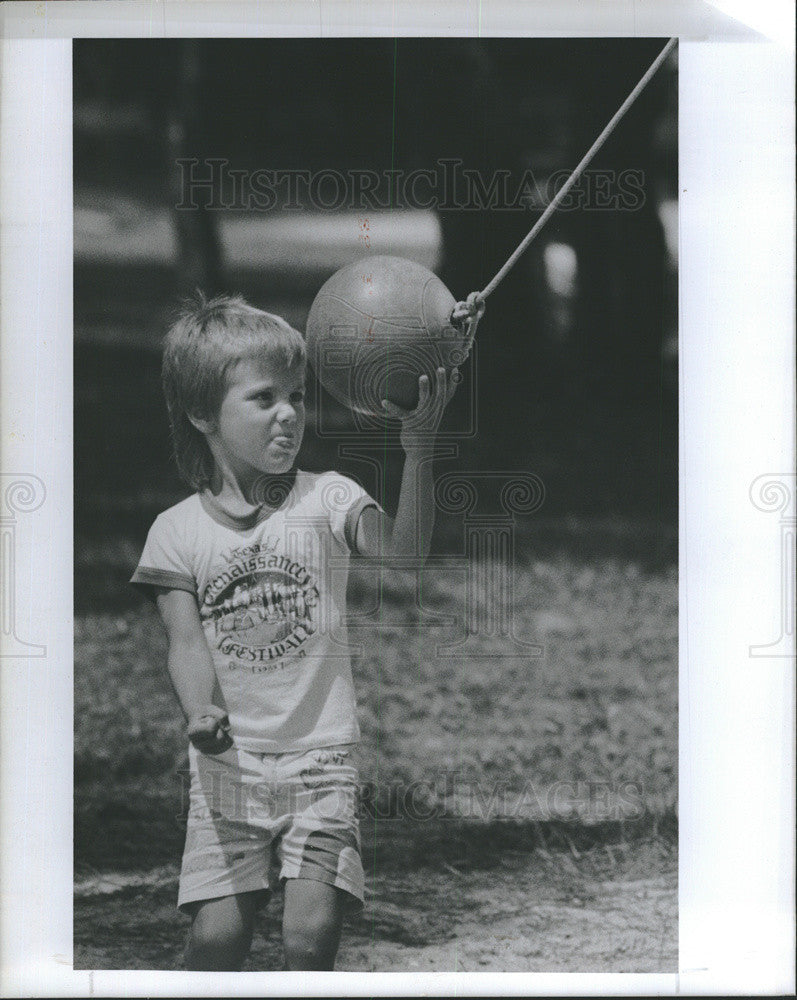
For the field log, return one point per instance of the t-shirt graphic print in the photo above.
(262, 605)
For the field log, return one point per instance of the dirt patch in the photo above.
(511, 926)
(610, 909)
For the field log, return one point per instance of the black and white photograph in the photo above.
(397, 510)
(394, 687)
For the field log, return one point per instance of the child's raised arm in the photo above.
(410, 533)
(191, 670)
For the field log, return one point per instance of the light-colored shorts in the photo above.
(256, 819)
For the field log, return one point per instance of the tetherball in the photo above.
(376, 326)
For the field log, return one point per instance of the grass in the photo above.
(583, 737)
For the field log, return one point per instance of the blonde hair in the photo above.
(207, 340)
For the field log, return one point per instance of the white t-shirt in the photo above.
(271, 591)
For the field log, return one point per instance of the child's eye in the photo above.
(297, 397)
(265, 397)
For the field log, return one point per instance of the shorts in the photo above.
(257, 819)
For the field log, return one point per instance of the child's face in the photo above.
(261, 419)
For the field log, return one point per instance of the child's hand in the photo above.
(419, 426)
(209, 730)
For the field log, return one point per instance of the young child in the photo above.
(249, 576)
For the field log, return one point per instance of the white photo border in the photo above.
(736, 144)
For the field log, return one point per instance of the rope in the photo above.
(472, 309)
(469, 311)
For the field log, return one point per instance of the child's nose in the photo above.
(286, 414)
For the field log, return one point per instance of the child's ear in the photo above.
(202, 425)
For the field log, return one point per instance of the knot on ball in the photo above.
(472, 308)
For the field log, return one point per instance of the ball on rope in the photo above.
(377, 325)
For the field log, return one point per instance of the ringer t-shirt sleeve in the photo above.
(162, 562)
(353, 516)
(346, 500)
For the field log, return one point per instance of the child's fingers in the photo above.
(394, 411)
(206, 725)
(423, 391)
(214, 712)
(429, 400)
(212, 724)
(444, 392)
(454, 379)
(216, 726)
(211, 734)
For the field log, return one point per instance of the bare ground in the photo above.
(612, 908)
